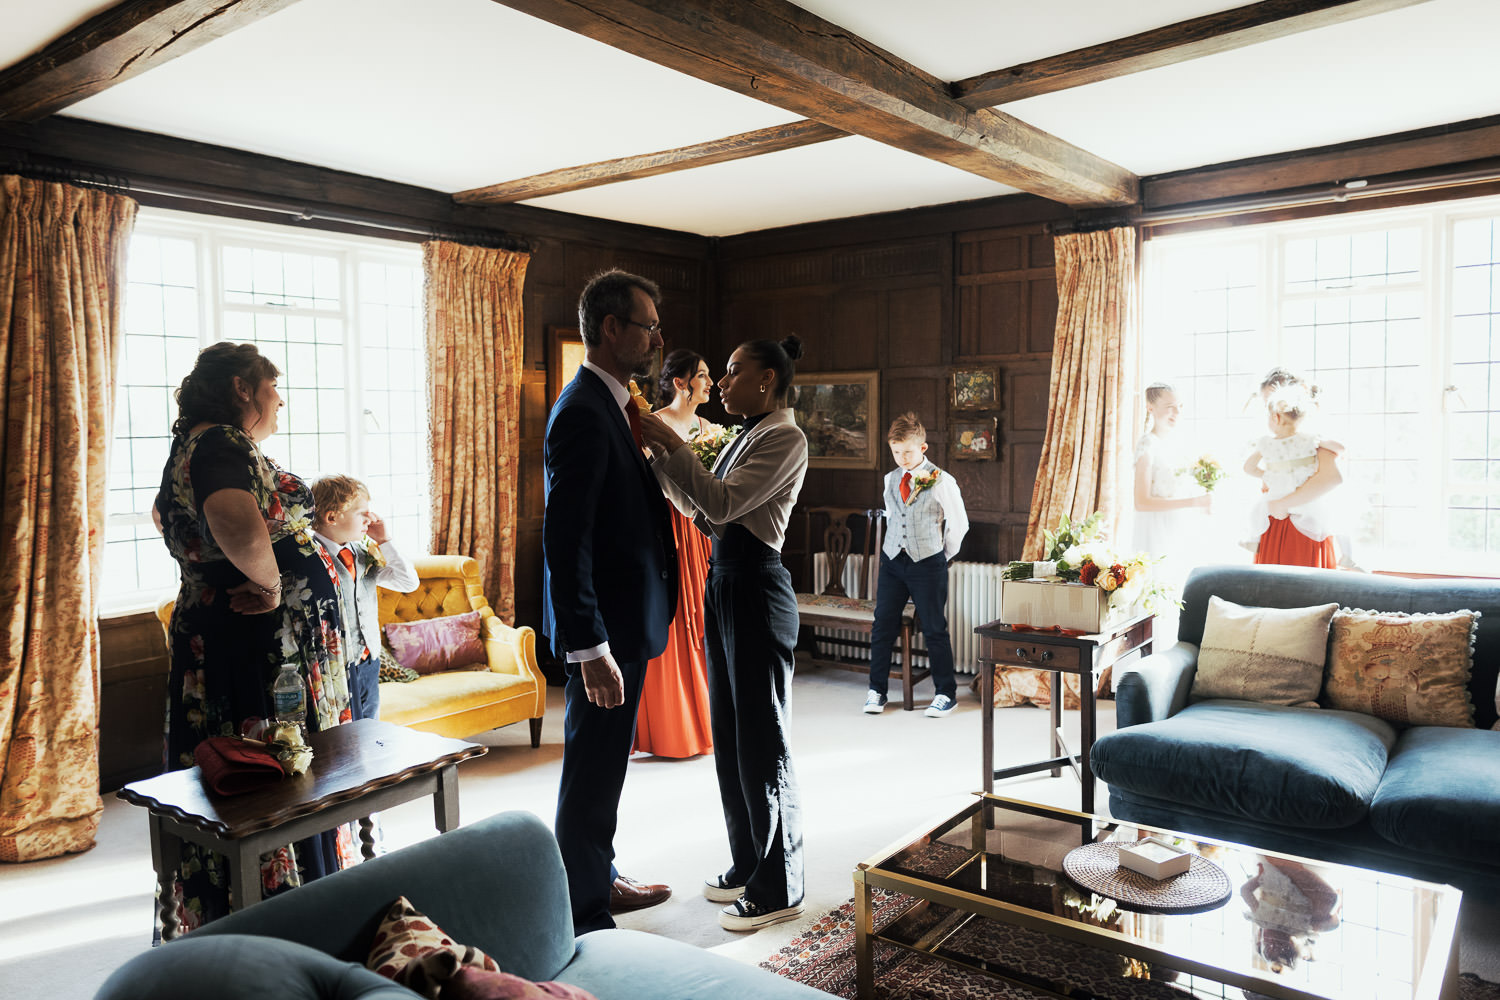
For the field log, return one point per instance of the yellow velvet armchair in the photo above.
(460, 703)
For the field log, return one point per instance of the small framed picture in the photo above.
(974, 440)
(976, 388)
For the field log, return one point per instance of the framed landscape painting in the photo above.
(976, 388)
(838, 411)
(974, 440)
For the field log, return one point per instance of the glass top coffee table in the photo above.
(998, 901)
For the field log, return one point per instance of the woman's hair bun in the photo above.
(792, 344)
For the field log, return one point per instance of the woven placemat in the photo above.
(1096, 867)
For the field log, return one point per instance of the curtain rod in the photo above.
(1336, 192)
(203, 194)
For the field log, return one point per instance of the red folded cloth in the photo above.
(233, 767)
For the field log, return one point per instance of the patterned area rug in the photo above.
(823, 957)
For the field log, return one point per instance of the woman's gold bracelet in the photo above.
(268, 591)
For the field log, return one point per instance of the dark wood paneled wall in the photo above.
(942, 296)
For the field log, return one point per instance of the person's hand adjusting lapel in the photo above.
(659, 437)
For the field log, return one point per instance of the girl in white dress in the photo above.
(1291, 527)
(1170, 509)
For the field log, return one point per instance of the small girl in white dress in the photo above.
(1288, 524)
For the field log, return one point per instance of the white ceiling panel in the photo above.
(1406, 69)
(446, 94)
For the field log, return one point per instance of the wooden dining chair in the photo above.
(833, 607)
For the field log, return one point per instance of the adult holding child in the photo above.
(257, 592)
(750, 614)
(673, 720)
(609, 583)
(1288, 523)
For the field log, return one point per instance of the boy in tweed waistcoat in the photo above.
(363, 558)
(925, 525)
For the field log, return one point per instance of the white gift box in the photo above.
(1044, 603)
(1154, 858)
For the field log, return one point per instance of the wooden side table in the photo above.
(1084, 655)
(358, 768)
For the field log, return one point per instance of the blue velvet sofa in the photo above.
(498, 885)
(1339, 786)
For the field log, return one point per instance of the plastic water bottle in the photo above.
(289, 696)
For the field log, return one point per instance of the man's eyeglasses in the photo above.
(648, 327)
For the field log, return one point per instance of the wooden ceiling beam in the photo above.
(628, 168)
(777, 52)
(115, 45)
(1175, 43)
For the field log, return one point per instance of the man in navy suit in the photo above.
(610, 583)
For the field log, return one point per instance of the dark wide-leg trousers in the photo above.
(925, 583)
(596, 751)
(750, 616)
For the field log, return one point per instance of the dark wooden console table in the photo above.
(1084, 655)
(358, 768)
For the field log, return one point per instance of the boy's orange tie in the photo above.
(906, 488)
(346, 556)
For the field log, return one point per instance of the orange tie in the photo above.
(633, 418)
(346, 556)
(906, 488)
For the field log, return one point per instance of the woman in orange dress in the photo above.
(673, 716)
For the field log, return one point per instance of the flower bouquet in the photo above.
(1206, 472)
(708, 442)
(1077, 552)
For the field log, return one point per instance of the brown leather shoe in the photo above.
(628, 894)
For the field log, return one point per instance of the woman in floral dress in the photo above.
(257, 591)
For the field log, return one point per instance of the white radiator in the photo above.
(973, 599)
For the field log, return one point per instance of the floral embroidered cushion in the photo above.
(1271, 655)
(415, 952)
(434, 644)
(1409, 669)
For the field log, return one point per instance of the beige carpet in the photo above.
(866, 780)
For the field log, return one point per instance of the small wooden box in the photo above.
(1154, 859)
(1043, 603)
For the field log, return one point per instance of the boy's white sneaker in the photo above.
(941, 707)
(874, 702)
(743, 915)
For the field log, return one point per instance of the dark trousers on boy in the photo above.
(364, 688)
(925, 583)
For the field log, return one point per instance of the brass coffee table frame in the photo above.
(1438, 977)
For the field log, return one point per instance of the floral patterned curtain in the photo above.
(62, 253)
(1085, 464)
(474, 359)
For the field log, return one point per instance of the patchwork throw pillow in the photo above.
(1409, 669)
(391, 670)
(415, 952)
(433, 644)
(1270, 655)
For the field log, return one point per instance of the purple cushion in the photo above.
(434, 644)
